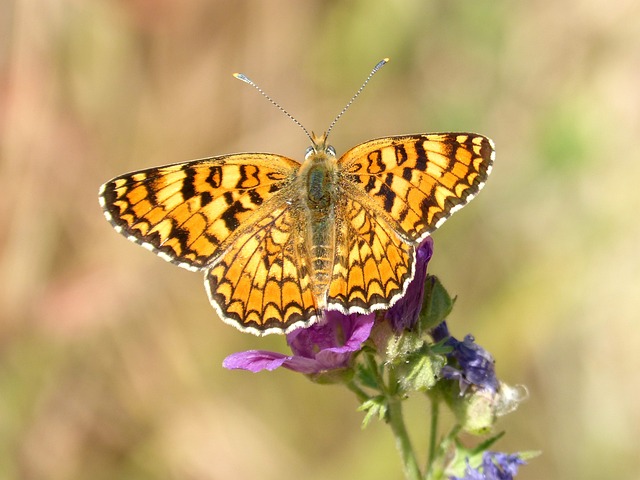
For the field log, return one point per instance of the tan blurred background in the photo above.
(110, 359)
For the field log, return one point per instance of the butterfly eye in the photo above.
(331, 151)
(309, 151)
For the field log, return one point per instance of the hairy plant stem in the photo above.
(433, 433)
(403, 442)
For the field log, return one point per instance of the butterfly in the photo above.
(280, 241)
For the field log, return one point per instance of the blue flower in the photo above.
(316, 349)
(495, 466)
(475, 365)
(403, 315)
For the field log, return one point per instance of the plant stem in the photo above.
(361, 394)
(403, 442)
(433, 434)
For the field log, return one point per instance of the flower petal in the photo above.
(358, 328)
(316, 349)
(254, 360)
(476, 365)
(495, 466)
(403, 315)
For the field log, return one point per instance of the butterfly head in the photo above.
(319, 146)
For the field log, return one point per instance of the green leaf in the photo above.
(529, 454)
(436, 305)
(485, 445)
(366, 377)
(375, 406)
(441, 348)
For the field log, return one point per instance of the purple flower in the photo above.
(403, 315)
(476, 365)
(318, 348)
(495, 466)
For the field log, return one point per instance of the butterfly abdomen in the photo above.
(317, 176)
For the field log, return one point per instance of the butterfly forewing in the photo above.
(418, 181)
(188, 212)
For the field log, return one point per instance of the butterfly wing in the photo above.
(395, 192)
(418, 181)
(231, 216)
(187, 212)
(262, 282)
(373, 264)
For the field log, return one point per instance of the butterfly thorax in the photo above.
(318, 178)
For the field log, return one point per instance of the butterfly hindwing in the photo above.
(185, 212)
(261, 283)
(418, 181)
(372, 264)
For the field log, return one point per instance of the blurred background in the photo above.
(110, 359)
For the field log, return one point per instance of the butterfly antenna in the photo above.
(245, 79)
(378, 66)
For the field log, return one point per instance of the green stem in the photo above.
(361, 394)
(433, 434)
(403, 442)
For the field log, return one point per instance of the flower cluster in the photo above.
(494, 466)
(475, 364)
(384, 357)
